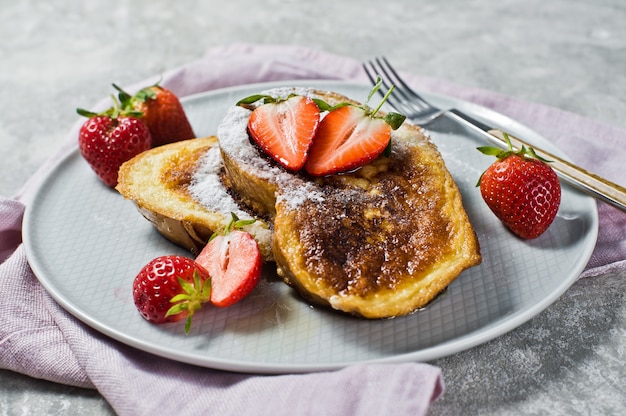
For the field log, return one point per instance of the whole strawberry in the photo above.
(162, 112)
(110, 138)
(107, 140)
(521, 189)
(170, 288)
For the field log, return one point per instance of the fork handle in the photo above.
(576, 176)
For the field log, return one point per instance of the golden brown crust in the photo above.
(382, 246)
(256, 192)
(158, 182)
(379, 242)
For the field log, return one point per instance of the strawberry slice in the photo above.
(234, 262)
(346, 139)
(351, 136)
(284, 129)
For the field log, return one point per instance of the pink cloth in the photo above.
(38, 338)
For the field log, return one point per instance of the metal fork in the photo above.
(408, 102)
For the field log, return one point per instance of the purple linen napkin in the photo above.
(38, 338)
(42, 340)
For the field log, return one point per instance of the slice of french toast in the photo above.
(180, 188)
(378, 242)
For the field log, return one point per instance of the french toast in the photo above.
(178, 188)
(378, 242)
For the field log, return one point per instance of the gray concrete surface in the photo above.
(54, 56)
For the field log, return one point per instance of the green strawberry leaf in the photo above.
(195, 295)
(124, 97)
(86, 113)
(501, 154)
(336, 106)
(531, 151)
(256, 97)
(322, 105)
(387, 151)
(145, 94)
(494, 151)
(394, 120)
(234, 224)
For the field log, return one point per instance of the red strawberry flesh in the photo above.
(284, 130)
(234, 263)
(346, 139)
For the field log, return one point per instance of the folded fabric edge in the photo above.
(11, 215)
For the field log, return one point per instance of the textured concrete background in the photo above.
(569, 54)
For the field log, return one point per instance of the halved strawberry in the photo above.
(284, 129)
(351, 136)
(234, 262)
(347, 138)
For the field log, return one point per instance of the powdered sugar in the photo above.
(235, 142)
(232, 137)
(207, 189)
(284, 92)
(294, 196)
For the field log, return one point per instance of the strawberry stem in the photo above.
(116, 107)
(234, 224)
(121, 108)
(394, 119)
(375, 88)
(383, 101)
(501, 154)
(192, 298)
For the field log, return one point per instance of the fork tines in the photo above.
(403, 98)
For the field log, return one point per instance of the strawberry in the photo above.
(234, 262)
(107, 140)
(284, 128)
(521, 189)
(351, 136)
(170, 288)
(162, 112)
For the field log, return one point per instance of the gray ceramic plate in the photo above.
(86, 243)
